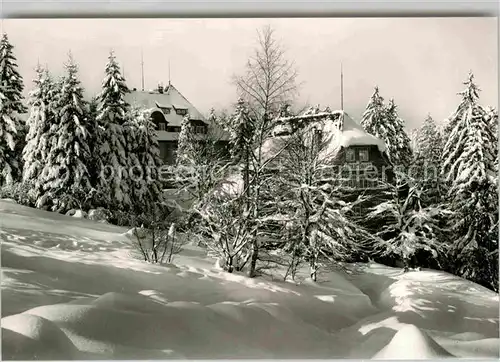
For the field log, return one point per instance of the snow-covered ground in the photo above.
(71, 290)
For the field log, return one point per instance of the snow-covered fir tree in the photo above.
(373, 120)
(12, 128)
(94, 132)
(492, 116)
(112, 159)
(384, 122)
(186, 143)
(200, 161)
(241, 127)
(427, 159)
(408, 225)
(65, 177)
(145, 161)
(48, 136)
(41, 116)
(397, 141)
(313, 216)
(470, 158)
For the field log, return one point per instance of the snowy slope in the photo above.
(71, 290)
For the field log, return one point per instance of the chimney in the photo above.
(160, 87)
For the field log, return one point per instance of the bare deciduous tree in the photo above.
(270, 80)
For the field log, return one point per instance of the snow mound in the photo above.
(482, 348)
(9, 200)
(27, 336)
(128, 324)
(131, 303)
(66, 303)
(80, 214)
(412, 343)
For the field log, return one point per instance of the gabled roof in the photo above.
(338, 128)
(344, 131)
(170, 98)
(347, 132)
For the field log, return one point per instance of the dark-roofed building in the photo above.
(169, 109)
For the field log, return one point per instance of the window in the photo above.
(157, 117)
(165, 110)
(162, 126)
(181, 112)
(363, 155)
(173, 129)
(350, 155)
(199, 129)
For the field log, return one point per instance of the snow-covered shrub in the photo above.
(227, 232)
(156, 238)
(121, 218)
(100, 214)
(19, 192)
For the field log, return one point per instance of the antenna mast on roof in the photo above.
(168, 71)
(142, 70)
(341, 88)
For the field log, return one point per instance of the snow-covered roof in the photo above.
(338, 129)
(170, 98)
(347, 132)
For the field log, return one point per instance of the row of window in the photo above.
(363, 155)
(360, 183)
(180, 112)
(350, 155)
(162, 126)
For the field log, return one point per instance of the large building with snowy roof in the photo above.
(169, 109)
(357, 158)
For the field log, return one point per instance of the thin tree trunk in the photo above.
(406, 264)
(314, 269)
(255, 241)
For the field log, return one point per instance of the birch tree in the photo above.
(269, 81)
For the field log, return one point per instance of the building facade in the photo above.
(358, 161)
(169, 109)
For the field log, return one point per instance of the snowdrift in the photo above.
(71, 290)
(411, 343)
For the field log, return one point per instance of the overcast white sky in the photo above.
(421, 62)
